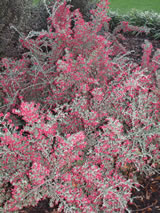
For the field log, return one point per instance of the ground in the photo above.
(135, 43)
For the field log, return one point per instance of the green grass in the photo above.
(125, 6)
(35, 2)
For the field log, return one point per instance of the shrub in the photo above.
(89, 115)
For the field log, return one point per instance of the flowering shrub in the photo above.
(88, 116)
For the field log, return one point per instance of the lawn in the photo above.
(124, 6)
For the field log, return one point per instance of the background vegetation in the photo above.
(148, 19)
(125, 6)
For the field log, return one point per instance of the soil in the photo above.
(135, 43)
(148, 198)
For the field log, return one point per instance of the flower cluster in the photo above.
(88, 116)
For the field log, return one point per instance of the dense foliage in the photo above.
(90, 115)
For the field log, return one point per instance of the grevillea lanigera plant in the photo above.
(89, 116)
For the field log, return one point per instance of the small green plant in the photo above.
(36, 2)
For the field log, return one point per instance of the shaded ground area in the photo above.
(135, 43)
(42, 207)
(148, 198)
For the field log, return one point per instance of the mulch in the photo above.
(148, 197)
(135, 43)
